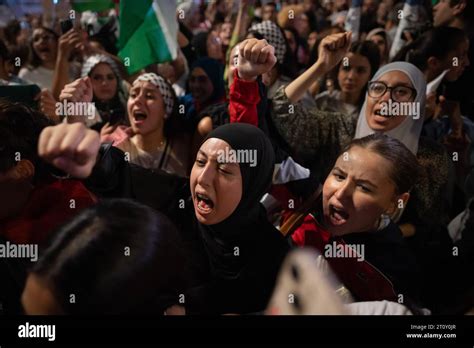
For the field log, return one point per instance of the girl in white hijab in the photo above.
(407, 130)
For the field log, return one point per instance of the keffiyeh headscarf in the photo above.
(92, 61)
(274, 36)
(165, 89)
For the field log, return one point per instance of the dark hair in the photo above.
(468, 10)
(4, 53)
(117, 257)
(370, 51)
(312, 21)
(199, 42)
(11, 31)
(437, 42)
(270, 3)
(20, 127)
(35, 60)
(405, 169)
(314, 54)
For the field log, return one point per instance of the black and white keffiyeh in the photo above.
(274, 36)
(165, 89)
(92, 61)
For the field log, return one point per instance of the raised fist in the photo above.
(79, 90)
(333, 48)
(254, 58)
(73, 148)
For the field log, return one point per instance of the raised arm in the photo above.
(331, 50)
(72, 148)
(67, 43)
(254, 57)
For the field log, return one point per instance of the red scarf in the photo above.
(364, 280)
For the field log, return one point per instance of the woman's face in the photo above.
(302, 25)
(357, 192)
(353, 77)
(38, 299)
(312, 38)
(375, 120)
(216, 187)
(214, 46)
(145, 107)
(225, 33)
(379, 40)
(45, 45)
(200, 85)
(104, 82)
(457, 61)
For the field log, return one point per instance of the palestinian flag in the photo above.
(148, 33)
(92, 5)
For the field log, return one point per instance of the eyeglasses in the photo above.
(398, 93)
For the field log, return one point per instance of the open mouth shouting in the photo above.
(43, 51)
(139, 116)
(337, 215)
(203, 204)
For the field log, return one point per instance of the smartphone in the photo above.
(66, 25)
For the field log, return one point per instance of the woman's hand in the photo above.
(332, 49)
(79, 90)
(68, 42)
(73, 148)
(255, 57)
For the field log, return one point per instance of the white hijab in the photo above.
(408, 132)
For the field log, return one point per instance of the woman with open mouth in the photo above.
(43, 53)
(243, 249)
(352, 225)
(153, 140)
(236, 252)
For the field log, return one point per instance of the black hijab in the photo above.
(245, 250)
(255, 179)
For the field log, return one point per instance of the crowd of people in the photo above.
(279, 126)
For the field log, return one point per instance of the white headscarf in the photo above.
(408, 132)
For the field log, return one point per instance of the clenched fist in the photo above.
(254, 58)
(79, 90)
(73, 148)
(333, 48)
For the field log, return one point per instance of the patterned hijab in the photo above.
(274, 36)
(165, 89)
